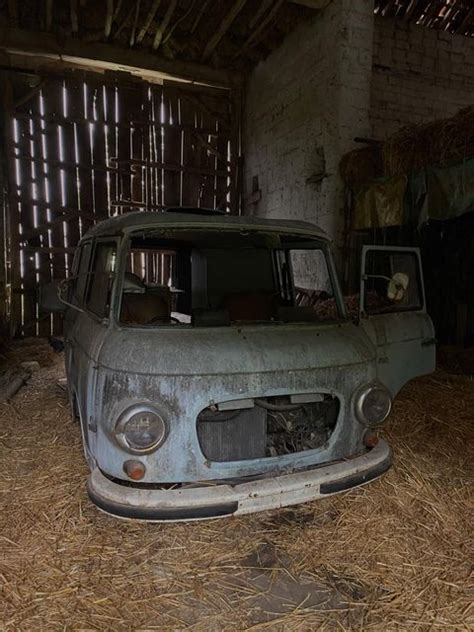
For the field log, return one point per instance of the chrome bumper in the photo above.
(214, 501)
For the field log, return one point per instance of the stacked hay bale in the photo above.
(435, 143)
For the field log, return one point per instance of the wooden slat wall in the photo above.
(83, 148)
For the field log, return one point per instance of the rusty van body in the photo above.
(215, 370)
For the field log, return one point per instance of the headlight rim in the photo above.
(362, 394)
(125, 417)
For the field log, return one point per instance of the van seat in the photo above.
(145, 309)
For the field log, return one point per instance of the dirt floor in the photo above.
(394, 555)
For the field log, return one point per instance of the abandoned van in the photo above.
(215, 369)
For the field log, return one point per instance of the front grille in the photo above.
(266, 427)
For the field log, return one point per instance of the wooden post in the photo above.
(13, 215)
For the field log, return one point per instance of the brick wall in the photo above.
(305, 103)
(419, 74)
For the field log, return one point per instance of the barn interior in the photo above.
(354, 115)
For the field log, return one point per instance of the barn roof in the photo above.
(223, 35)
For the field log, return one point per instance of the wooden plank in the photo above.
(71, 106)
(74, 109)
(111, 136)
(190, 159)
(86, 192)
(99, 180)
(171, 152)
(41, 209)
(53, 102)
(169, 166)
(137, 137)
(156, 154)
(222, 187)
(125, 98)
(28, 210)
(13, 209)
(235, 149)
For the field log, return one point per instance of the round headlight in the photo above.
(140, 429)
(373, 405)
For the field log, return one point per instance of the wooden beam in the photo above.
(468, 20)
(49, 14)
(73, 14)
(223, 28)
(13, 11)
(135, 22)
(13, 210)
(109, 18)
(263, 8)
(255, 35)
(313, 4)
(149, 19)
(178, 22)
(199, 15)
(47, 47)
(164, 24)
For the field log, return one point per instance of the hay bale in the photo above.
(434, 143)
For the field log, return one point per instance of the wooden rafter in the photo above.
(223, 28)
(260, 28)
(148, 20)
(73, 14)
(109, 16)
(200, 13)
(135, 23)
(164, 24)
(49, 14)
(178, 22)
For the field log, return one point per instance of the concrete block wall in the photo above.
(305, 103)
(419, 74)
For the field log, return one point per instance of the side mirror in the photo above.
(397, 287)
(49, 297)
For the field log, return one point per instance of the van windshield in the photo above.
(209, 279)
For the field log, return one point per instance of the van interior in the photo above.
(215, 279)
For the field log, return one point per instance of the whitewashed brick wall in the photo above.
(419, 74)
(305, 103)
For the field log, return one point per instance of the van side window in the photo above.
(392, 282)
(81, 274)
(102, 275)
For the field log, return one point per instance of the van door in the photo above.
(393, 314)
(86, 332)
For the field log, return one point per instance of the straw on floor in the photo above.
(394, 555)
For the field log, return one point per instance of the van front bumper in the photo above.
(226, 499)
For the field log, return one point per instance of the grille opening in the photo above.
(267, 427)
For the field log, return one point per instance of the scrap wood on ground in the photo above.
(394, 555)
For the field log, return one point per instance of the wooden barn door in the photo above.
(81, 148)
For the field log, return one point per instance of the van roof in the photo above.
(190, 218)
